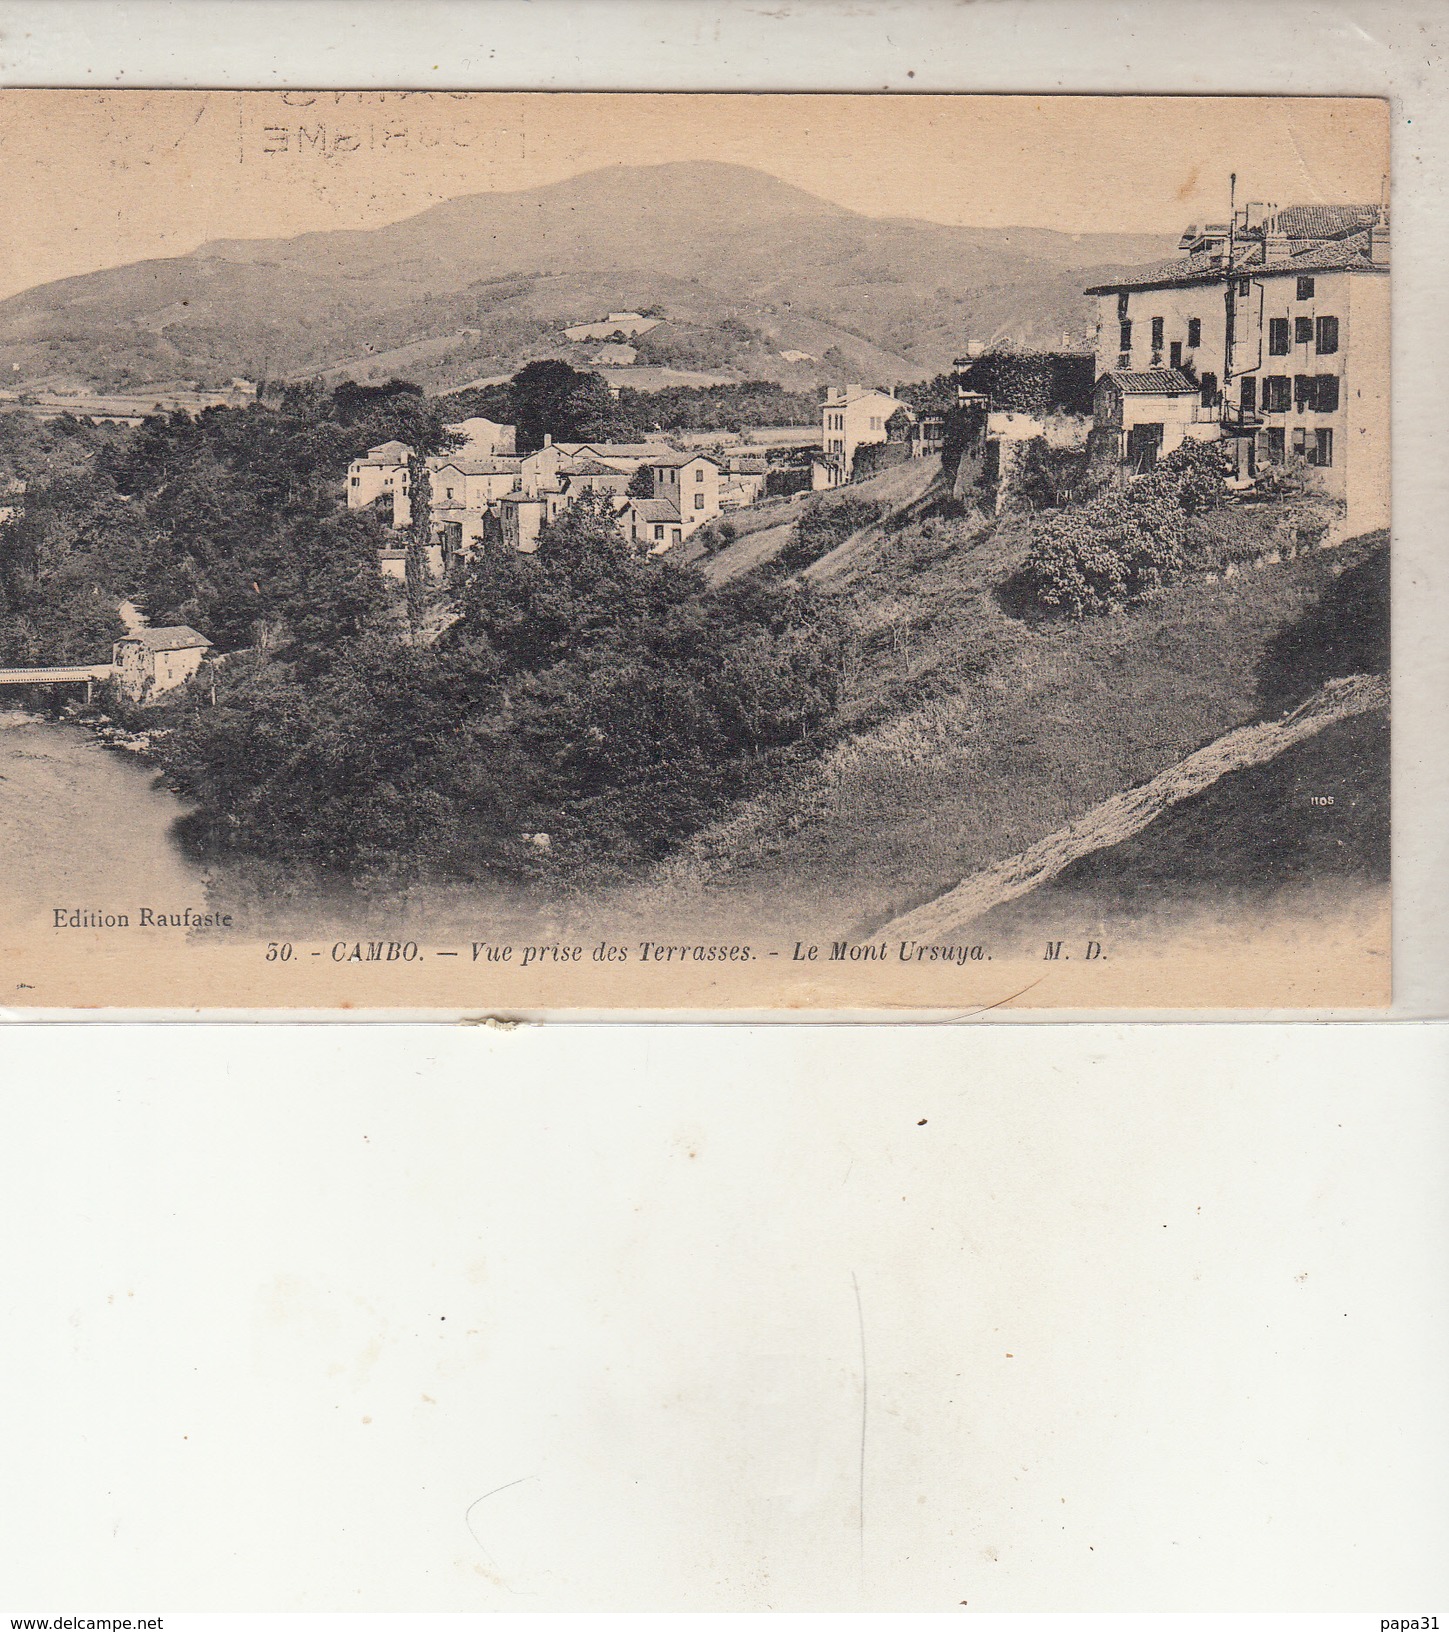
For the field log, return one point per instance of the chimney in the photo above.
(1379, 244)
(547, 439)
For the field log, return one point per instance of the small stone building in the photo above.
(151, 661)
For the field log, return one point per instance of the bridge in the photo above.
(75, 673)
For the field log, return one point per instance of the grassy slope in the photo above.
(968, 734)
(899, 489)
(1258, 829)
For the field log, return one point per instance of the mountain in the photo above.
(740, 265)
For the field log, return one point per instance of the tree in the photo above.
(415, 567)
(641, 484)
(551, 399)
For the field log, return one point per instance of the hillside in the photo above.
(741, 266)
(967, 734)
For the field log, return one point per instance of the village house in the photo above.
(1270, 332)
(742, 481)
(653, 523)
(690, 482)
(523, 515)
(464, 493)
(686, 492)
(850, 416)
(623, 456)
(151, 661)
(385, 472)
(472, 472)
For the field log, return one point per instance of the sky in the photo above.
(90, 179)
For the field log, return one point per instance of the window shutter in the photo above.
(1327, 342)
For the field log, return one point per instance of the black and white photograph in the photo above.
(694, 551)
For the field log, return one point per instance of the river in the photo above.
(84, 827)
(87, 828)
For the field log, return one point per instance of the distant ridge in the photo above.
(742, 266)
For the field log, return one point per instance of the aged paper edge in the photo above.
(1384, 60)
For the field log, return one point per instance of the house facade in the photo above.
(465, 495)
(654, 525)
(523, 516)
(1269, 332)
(385, 472)
(149, 662)
(850, 415)
(691, 483)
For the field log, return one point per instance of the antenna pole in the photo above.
(1230, 314)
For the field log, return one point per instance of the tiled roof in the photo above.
(655, 510)
(178, 638)
(619, 450)
(387, 450)
(587, 467)
(1340, 255)
(1155, 382)
(1349, 255)
(481, 467)
(672, 461)
(846, 398)
(1325, 220)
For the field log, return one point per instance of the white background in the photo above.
(1153, 1318)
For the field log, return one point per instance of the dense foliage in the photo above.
(632, 415)
(1126, 543)
(1045, 478)
(824, 523)
(1034, 382)
(611, 701)
(934, 396)
(229, 522)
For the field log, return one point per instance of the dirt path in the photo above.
(1128, 813)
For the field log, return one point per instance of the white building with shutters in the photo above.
(1271, 332)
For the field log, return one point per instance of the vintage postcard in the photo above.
(497, 552)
